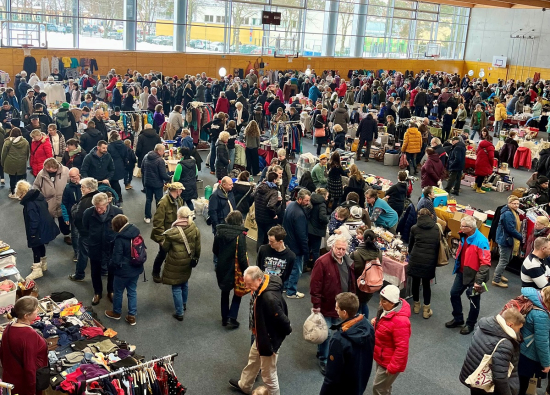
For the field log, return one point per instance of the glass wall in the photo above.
(345, 28)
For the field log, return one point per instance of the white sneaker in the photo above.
(12, 196)
(298, 295)
(147, 220)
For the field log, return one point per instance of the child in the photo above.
(129, 170)
(338, 217)
(357, 238)
(339, 138)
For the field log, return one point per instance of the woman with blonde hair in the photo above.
(356, 180)
(222, 155)
(252, 139)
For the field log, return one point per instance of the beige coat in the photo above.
(52, 190)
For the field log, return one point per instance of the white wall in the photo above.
(489, 35)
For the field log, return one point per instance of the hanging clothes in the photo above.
(55, 64)
(29, 65)
(44, 68)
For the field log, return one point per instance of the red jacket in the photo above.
(391, 338)
(266, 108)
(325, 283)
(112, 84)
(432, 171)
(522, 158)
(40, 151)
(485, 158)
(222, 105)
(413, 95)
(342, 89)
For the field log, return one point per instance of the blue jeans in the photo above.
(322, 349)
(213, 156)
(231, 159)
(364, 309)
(503, 260)
(190, 204)
(130, 285)
(411, 158)
(315, 246)
(179, 293)
(457, 290)
(149, 192)
(292, 281)
(82, 260)
(498, 128)
(128, 175)
(74, 238)
(233, 310)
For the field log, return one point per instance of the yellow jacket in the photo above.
(412, 143)
(500, 112)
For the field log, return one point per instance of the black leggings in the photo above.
(13, 180)
(38, 252)
(479, 181)
(426, 291)
(115, 184)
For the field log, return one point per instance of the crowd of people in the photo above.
(76, 166)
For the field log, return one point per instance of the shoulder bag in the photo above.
(194, 262)
(240, 288)
(245, 195)
(482, 377)
(444, 250)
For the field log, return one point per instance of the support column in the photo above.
(180, 25)
(358, 29)
(330, 27)
(130, 25)
(75, 21)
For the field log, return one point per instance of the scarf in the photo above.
(181, 222)
(517, 242)
(75, 151)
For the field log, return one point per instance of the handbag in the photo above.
(194, 262)
(403, 162)
(482, 377)
(319, 132)
(444, 250)
(240, 287)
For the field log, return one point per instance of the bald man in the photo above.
(71, 196)
(221, 203)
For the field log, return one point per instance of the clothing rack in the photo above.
(124, 370)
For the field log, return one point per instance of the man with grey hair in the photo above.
(153, 170)
(88, 188)
(295, 223)
(152, 100)
(71, 196)
(270, 325)
(472, 264)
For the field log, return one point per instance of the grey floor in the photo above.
(209, 354)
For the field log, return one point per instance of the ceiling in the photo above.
(498, 3)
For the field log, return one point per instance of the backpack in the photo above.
(372, 278)
(139, 251)
(522, 303)
(63, 119)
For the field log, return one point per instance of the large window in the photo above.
(345, 28)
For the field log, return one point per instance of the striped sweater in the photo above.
(534, 273)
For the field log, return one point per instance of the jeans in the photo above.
(322, 349)
(315, 246)
(97, 282)
(457, 290)
(74, 238)
(231, 160)
(292, 282)
(230, 311)
(119, 285)
(82, 260)
(364, 309)
(128, 176)
(474, 131)
(411, 158)
(159, 260)
(149, 192)
(454, 181)
(180, 293)
(498, 128)
(213, 156)
(503, 260)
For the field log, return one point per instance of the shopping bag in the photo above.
(403, 162)
(444, 250)
(482, 377)
(240, 287)
(315, 328)
(532, 389)
(137, 172)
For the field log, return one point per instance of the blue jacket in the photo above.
(99, 168)
(39, 224)
(536, 342)
(382, 214)
(506, 231)
(153, 169)
(71, 196)
(314, 93)
(122, 253)
(295, 224)
(457, 157)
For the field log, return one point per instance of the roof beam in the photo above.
(492, 3)
(510, 3)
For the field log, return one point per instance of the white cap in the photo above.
(391, 293)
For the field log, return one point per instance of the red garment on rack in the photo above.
(522, 158)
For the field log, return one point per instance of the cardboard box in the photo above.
(391, 159)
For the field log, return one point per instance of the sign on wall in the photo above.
(499, 61)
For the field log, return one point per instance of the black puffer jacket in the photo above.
(146, 142)
(225, 248)
(244, 193)
(486, 336)
(266, 205)
(544, 163)
(188, 178)
(154, 171)
(100, 232)
(77, 212)
(397, 194)
(222, 160)
(119, 153)
(423, 248)
(318, 217)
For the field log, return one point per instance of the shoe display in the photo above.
(454, 324)
(297, 295)
(131, 319)
(112, 315)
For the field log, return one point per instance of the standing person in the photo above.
(295, 224)
(508, 238)
(423, 257)
(499, 336)
(455, 165)
(99, 164)
(231, 144)
(147, 140)
(15, 154)
(412, 145)
(221, 203)
(447, 123)
(230, 248)
(335, 174)
(267, 203)
(472, 264)
(397, 193)
(41, 149)
(165, 215)
(222, 156)
(51, 182)
(319, 172)
(130, 165)
(275, 258)
(500, 116)
(392, 331)
(39, 226)
(252, 139)
(366, 251)
(97, 222)
(332, 274)
(270, 325)
(380, 211)
(125, 273)
(214, 129)
(186, 172)
(461, 116)
(158, 117)
(90, 137)
(321, 130)
(57, 142)
(287, 172)
(74, 155)
(351, 350)
(318, 220)
(23, 350)
(484, 159)
(478, 121)
(119, 154)
(433, 170)
(71, 196)
(154, 175)
(243, 191)
(367, 132)
(182, 244)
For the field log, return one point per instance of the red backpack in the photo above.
(522, 303)
(139, 251)
(372, 278)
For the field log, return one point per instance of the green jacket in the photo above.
(177, 268)
(318, 173)
(2, 138)
(15, 154)
(165, 216)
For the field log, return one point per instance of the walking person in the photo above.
(221, 203)
(154, 174)
(335, 174)
(41, 149)
(412, 146)
(125, 272)
(267, 203)
(367, 132)
(321, 130)
(119, 154)
(222, 156)
(243, 190)
(182, 244)
(15, 154)
(423, 256)
(461, 116)
(485, 159)
(230, 248)
(318, 220)
(455, 165)
(478, 121)
(186, 173)
(448, 118)
(252, 139)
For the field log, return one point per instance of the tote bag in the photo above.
(482, 377)
(240, 287)
(444, 250)
(319, 132)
